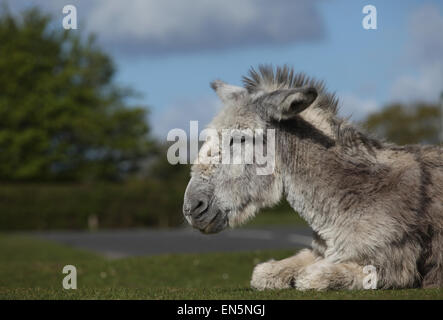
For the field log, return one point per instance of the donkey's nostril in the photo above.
(197, 207)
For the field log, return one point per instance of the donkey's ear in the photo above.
(290, 102)
(227, 92)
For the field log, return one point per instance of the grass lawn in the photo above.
(32, 269)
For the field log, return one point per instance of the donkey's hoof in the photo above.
(266, 276)
(312, 278)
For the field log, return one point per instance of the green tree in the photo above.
(418, 123)
(61, 115)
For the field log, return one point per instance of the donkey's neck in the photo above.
(310, 172)
(320, 119)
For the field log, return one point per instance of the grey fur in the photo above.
(368, 202)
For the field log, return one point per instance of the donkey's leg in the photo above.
(434, 277)
(281, 274)
(325, 275)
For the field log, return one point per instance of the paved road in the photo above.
(117, 244)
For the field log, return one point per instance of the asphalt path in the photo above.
(124, 243)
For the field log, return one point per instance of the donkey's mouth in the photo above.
(217, 223)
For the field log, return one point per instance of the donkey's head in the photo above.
(226, 193)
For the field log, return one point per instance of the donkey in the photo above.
(368, 202)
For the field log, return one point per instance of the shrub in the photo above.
(71, 206)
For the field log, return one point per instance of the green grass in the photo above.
(32, 269)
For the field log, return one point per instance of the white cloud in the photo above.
(157, 20)
(167, 26)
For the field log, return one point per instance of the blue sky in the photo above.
(170, 50)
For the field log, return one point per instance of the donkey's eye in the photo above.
(242, 140)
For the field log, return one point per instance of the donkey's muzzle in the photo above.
(200, 211)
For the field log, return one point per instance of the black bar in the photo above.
(223, 309)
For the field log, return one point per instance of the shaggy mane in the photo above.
(268, 79)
